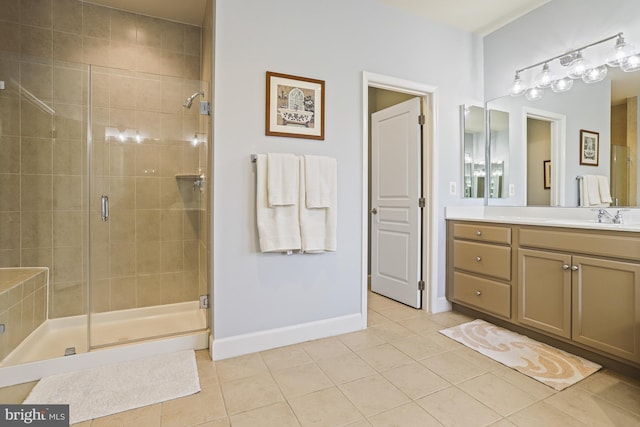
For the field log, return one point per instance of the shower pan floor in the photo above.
(108, 329)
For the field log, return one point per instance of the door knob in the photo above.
(374, 211)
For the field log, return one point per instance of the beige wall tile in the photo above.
(149, 290)
(67, 265)
(35, 122)
(122, 55)
(122, 119)
(67, 299)
(121, 89)
(36, 44)
(192, 40)
(10, 11)
(123, 259)
(148, 226)
(10, 159)
(147, 160)
(10, 230)
(123, 293)
(149, 31)
(171, 256)
(172, 127)
(69, 121)
(148, 257)
(147, 193)
(122, 193)
(123, 225)
(147, 124)
(36, 13)
(36, 193)
(67, 16)
(95, 21)
(100, 259)
(171, 284)
(67, 85)
(67, 192)
(123, 26)
(38, 80)
(122, 160)
(66, 228)
(173, 36)
(10, 116)
(67, 47)
(95, 51)
(190, 286)
(192, 67)
(67, 157)
(148, 96)
(191, 255)
(148, 59)
(171, 225)
(37, 257)
(100, 295)
(36, 229)
(172, 63)
(36, 155)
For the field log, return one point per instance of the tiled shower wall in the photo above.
(147, 253)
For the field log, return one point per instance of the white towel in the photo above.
(278, 227)
(318, 225)
(282, 179)
(594, 191)
(603, 187)
(319, 173)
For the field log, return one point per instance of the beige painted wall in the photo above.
(538, 150)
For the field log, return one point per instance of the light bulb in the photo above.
(631, 63)
(620, 52)
(595, 74)
(579, 67)
(534, 93)
(562, 85)
(544, 79)
(517, 87)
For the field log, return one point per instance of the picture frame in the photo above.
(589, 147)
(294, 106)
(546, 168)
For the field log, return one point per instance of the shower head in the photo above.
(189, 101)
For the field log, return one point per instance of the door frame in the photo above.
(429, 98)
(558, 149)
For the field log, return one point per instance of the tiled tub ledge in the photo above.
(547, 216)
(23, 304)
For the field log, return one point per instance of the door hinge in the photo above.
(204, 301)
(421, 119)
(421, 285)
(422, 202)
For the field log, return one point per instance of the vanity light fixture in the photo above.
(623, 55)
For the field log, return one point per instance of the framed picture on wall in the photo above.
(589, 144)
(546, 168)
(295, 106)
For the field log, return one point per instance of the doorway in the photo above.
(382, 92)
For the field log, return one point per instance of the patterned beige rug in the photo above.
(550, 366)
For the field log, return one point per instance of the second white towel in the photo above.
(318, 226)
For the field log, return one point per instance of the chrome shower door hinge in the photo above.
(204, 301)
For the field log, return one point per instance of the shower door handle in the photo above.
(104, 208)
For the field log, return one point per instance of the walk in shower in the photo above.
(103, 210)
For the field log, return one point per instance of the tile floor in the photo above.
(398, 372)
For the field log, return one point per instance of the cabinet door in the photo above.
(544, 291)
(606, 306)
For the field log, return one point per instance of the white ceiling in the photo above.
(477, 16)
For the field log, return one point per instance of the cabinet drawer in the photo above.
(490, 260)
(486, 295)
(482, 233)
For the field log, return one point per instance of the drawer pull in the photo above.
(478, 259)
(565, 267)
(478, 293)
(574, 268)
(478, 233)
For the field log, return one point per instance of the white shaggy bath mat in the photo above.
(550, 366)
(119, 387)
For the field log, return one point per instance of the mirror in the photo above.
(543, 158)
(473, 159)
(474, 171)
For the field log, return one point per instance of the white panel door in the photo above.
(395, 215)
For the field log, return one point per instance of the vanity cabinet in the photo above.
(581, 286)
(481, 267)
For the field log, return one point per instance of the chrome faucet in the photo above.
(603, 213)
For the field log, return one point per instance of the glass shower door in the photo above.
(147, 184)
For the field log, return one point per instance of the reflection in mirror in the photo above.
(499, 146)
(473, 143)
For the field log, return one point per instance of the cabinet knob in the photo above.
(565, 267)
(478, 293)
(478, 233)
(478, 259)
(574, 268)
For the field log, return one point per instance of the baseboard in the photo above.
(224, 348)
(440, 304)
